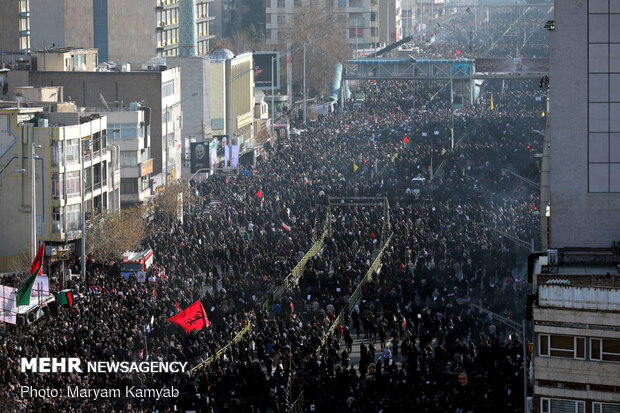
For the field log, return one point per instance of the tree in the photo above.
(166, 203)
(310, 22)
(109, 235)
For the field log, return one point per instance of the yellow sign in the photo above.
(245, 119)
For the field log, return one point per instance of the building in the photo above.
(581, 180)
(195, 99)
(360, 17)
(231, 95)
(575, 301)
(128, 130)
(15, 26)
(66, 59)
(124, 31)
(409, 17)
(575, 316)
(74, 160)
(158, 89)
(390, 21)
(428, 9)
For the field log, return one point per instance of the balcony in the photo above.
(579, 297)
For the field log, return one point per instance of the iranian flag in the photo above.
(286, 227)
(65, 297)
(25, 290)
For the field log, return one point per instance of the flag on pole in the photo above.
(65, 298)
(192, 318)
(25, 290)
(259, 193)
(355, 168)
(286, 227)
(492, 105)
(406, 140)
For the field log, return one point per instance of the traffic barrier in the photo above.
(223, 350)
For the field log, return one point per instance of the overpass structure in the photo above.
(461, 73)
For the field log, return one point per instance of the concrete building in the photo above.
(128, 130)
(231, 94)
(15, 26)
(195, 99)
(581, 159)
(575, 301)
(360, 17)
(70, 143)
(61, 23)
(158, 90)
(390, 21)
(66, 59)
(576, 314)
(123, 31)
(184, 27)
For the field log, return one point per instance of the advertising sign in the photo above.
(263, 70)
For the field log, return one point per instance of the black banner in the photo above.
(263, 68)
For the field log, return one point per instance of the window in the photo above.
(561, 406)
(605, 349)
(281, 3)
(129, 158)
(297, 3)
(129, 186)
(72, 153)
(72, 184)
(281, 19)
(57, 186)
(561, 346)
(598, 407)
(167, 88)
(56, 152)
(56, 219)
(72, 216)
(125, 131)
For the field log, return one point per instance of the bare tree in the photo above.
(108, 236)
(167, 202)
(310, 22)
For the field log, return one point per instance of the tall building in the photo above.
(582, 183)
(124, 31)
(575, 301)
(14, 26)
(360, 17)
(158, 89)
(74, 159)
(184, 27)
(390, 21)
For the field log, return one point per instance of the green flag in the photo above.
(23, 294)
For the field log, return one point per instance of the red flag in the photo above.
(406, 140)
(259, 193)
(37, 264)
(178, 307)
(192, 318)
(286, 227)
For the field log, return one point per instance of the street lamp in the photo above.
(167, 111)
(511, 324)
(308, 43)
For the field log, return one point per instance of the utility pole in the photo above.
(83, 212)
(273, 107)
(305, 104)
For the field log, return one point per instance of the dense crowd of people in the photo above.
(404, 345)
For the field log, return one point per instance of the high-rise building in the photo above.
(390, 21)
(124, 31)
(575, 301)
(359, 17)
(15, 26)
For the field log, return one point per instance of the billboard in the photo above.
(199, 156)
(263, 66)
(511, 65)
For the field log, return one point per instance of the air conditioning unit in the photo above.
(552, 257)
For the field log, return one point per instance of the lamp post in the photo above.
(308, 43)
(167, 111)
(273, 107)
(511, 324)
(33, 201)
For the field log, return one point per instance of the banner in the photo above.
(231, 156)
(41, 286)
(510, 65)
(8, 308)
(199, 156)
(192, 318)
(266, 67)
